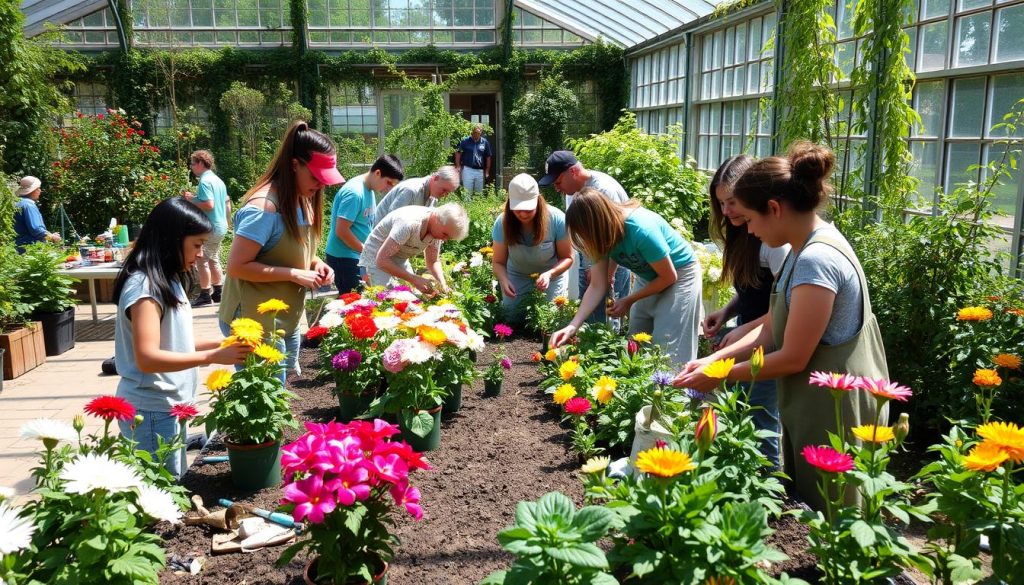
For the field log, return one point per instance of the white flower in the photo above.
(476, 259)
(419, 352)
(98, 472)
(475, 340)
(47, 428)
(714, 273)
(6, 493)
(459, 267)
(15, 531)
(387, 322)
(402, 295)
(335, 305)
(158, 504)
(331, 320)
(455, 335)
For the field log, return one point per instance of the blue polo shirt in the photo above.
(211, 188)
(354, 203)
(474, 154)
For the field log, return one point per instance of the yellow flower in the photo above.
(642, 338)
(983, 377)
(271, 306)
(269, 353)
(604, 389)
(564, 393)
(973, 314)
(596, 465)
(487, 250)
(229, 340)
(719, 369)
(1008, 436)
(551, 355)
(757, 360)
(560, 300)
(218, 380)
(535, 275)
(985, 457)
(663, 462)
(431, 335)
(247, 330)
(568, 369)
(873, 434)
(1007, 360)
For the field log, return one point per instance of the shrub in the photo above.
(542, 117)
(42, 286)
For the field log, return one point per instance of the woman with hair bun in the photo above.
(819, 318)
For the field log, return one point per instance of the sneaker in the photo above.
(217, 288)
(109, 367)
(202, 300)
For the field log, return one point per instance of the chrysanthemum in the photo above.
(828, 459)
(218, 380)
(271, 306)
(15, 531)
(577, 406)
(247, 330)
(642, 337)
(986, 378)
(986, 456)
(719, 369)
(431, 335)
(1007, 360)
(604, 389)
(110, 408)
(269, 353)
(158, 504)
(184, 411)
(563, 393)
(973, 314)
(596, 465)
(92, 471)
(48, 430)
(873, 434)
(663, 462)
(885, 389)
(1008, 436)
(834, 381)
(568, 369)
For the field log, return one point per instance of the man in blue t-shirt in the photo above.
(28, 221)
(352, 218)
(212, 198)
(473, 160)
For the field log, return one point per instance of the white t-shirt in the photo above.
(604, 183)
(402, 225)
(772, 258)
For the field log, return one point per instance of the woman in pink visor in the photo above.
(277, 230)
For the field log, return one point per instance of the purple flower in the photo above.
(401, 287)
(506, 363)
(697, 395)
(347, 360)
(662, 378)
(502, 330)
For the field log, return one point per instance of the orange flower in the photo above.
(973, 314)
(1007, 360)
(663, 462)
(985, 457)
(986, 378)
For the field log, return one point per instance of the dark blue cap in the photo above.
(557, 163)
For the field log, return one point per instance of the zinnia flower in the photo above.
(347, 360)
(110, 408)
(431, 335)
(49, 431)
(719, 369)
(986, 378)
(568, 369)
(834, 381)
(218, 380)
(92, 471)
(502, 330)
(596, 464)
(884, 390)
(316, 332)
(551, 355)
(271, 306)
(506, 363)
(973, 314)
(663, 462)
(247, 330)
(642, 337)
(828, 459)
(158, 504)
(604, 389)
(184, 411)
(873, 434)
(1007, 360)
(15, 531)
(1008, 436)
(986, 456)
(269, 353)
(577, 406)
(563, 393)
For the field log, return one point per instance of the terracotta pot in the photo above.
(307, 575)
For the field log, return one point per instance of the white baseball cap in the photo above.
(523, 193)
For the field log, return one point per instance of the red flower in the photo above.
(577, 406)
(659, 444)
(140, 132)
(316, 332)
(632, 347)
(828, 459)
(99, 116)
(184, 411)
(491, 299)
(110, 408)
(361, 326)
(401, 306)
(536, 356)
(350, 297)
(163, 177)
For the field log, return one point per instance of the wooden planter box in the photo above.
(23, 349)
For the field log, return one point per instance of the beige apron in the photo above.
(806, 412)
(241, 297)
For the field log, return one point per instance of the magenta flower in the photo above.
(885, 390)
(828, 459)
(409, 497)
(390, 468)
(352, 485)
(304, 455)
(347, 360)
(632, 347)
(502, 330)
(577, 406)
(313, 498)
(834, 381)
(506, 363)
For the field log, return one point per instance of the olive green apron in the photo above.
(806, 412)
(241, 297)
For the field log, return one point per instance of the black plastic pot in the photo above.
(58, 330)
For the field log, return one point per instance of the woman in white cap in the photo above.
(28, 222)
(531, 246)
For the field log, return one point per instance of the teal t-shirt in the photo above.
(648, 239)
(555, 231)
(354, 203)
(211, 188)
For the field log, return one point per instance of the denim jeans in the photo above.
(289, 345)
(620, 290)
(346, 273)
(472, 179)
(765, 398)
(156, 424)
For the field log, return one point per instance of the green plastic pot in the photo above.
(378, 579)
(352, 406)
(453, 401)
(492, 388)
(431, 441)
(254, 467)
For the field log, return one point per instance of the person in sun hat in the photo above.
(532, 249)
(28, 221)
(277, 231)
(568, 176)
(422, 191)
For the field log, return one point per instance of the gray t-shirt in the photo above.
(604, 183)
(822, 265)
(415, 191)
(156, 392)
(402, 225)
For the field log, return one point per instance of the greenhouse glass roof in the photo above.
(39, 12)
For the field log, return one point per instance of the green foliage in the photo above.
(544, 316)
(42, 286)
(555, 543)
(254, 408)
(648, 168)
(542, 117)
(482, 209)
(7, 202)
(13, 310)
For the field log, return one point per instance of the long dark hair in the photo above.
(513, 228)
(300, 142)
(157, 251)
(741, 252)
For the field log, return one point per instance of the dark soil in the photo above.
(494, 452)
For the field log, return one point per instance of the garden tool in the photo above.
(225, 519)
(213, 459)
(275, 517)
(252, 534)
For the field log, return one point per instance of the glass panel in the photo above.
(318, 36)
(94, 19)
(959, 159)
(727, 88)
(95, 37)
(226, 38)
(929, 106)
(203, 38)
(730, 46)
(741, 76)
(1004, 198)
(912, 43)
(463, 36)
(248, 36)
(716, 83)
(934, 8)
(741, 42)
(755, 39)
(485, 36)
(202, 17)
(719, 41)
(933, 46)
(1010, 34)
(1006, 90)
(971, 4)
(247, 18)
(845, 57)
(967, 111)
(706, 54)
(973, 35)
(844, 22)
(769, 33)
(925, 168)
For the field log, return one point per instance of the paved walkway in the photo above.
(61, 387)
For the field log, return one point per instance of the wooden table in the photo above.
(106, 270)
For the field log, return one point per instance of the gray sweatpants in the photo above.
(673, 315)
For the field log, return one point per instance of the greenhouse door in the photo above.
(481, 108)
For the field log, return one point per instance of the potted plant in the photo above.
(454, 370)
(21, 341)
(346, 481)
(412, 393)
(44, 286)
(348, 334)
(250, 407)
(494, 375)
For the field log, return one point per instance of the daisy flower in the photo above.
(15, 531)
(87, 473)
(158, 504)
(48, 430)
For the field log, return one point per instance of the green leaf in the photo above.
(555, 504)
(863, 533)
(593, 522)
(583, 554)
(526, 515)
(140, 569)
(421, 424)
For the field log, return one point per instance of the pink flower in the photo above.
(409, 497)
(313, 498)
(834, 381)
(413, 459)
(828, 459)
(390, 468)
(304, 454)
(352, 485)
(632, 347)
(502, 330)
(577, 406)
(885, 389)
(184, 411)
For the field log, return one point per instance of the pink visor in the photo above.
(324, 168)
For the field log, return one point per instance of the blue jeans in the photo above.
(764, 397)
(620, 290)
(472, 179)
(156, 424)
(289, 345)
(346, 273)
